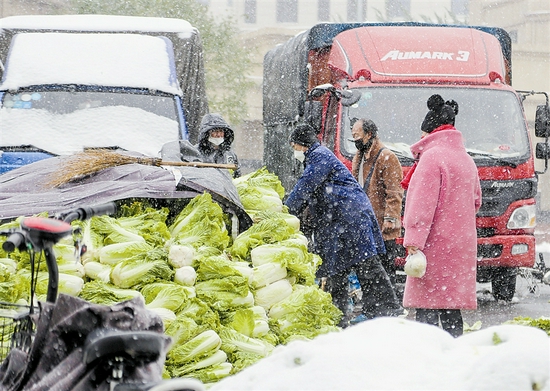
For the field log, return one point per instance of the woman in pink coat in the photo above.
(443, 197)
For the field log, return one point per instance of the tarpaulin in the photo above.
(25, 191)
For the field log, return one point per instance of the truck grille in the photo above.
(498, 195)
(489, 250)
(485, 232)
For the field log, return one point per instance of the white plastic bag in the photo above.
(415, 264)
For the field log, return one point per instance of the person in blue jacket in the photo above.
(345, 231)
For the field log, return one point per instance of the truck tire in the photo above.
(503, 283)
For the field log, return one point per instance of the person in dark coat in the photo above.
(215, 139)
(346, 234)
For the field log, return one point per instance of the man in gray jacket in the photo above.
(215, 139)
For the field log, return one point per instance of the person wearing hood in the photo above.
(215, 140)
(345, 231)
(379, 172)
(443, 197)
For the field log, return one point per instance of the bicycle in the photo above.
(111, 353)
(530, 279)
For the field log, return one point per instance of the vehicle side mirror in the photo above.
(350, 97)
(313, 114)
(542, 151)
(320, 90)
(542, 122)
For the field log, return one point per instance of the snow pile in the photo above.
(399, 354)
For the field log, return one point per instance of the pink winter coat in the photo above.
(442, 200)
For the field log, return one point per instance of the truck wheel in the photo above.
(504, 283)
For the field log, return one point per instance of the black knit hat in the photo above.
(441, 113)
(304, 135)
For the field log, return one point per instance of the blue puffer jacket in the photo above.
(344, 226)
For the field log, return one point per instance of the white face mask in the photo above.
(299, 155)
(216, 140)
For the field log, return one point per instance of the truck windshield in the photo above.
(492, 122)
(64, 122)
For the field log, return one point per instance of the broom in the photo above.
(91, 161)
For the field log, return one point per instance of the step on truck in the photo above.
(72, 82)
(334, 72)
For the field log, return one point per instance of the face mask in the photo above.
(299, 155)
(358, 144)
(216, 140)
(364, 147)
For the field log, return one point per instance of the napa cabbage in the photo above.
(140, 271)
(114, 253)
(306, 312)
(224, 294)
(167, 295)
(200, 223)
(99, 292)
(261, 178)
(113, 231)
(217, 267)
(291, 255)
(264, 232)
(233, 341)
(267, 273)
(272, 293)
(97, 271)
(196, 349)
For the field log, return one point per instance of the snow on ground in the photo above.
(400, 354)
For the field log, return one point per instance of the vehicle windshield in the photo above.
(64, 122)
(491, 121)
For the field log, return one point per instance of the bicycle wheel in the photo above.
(527, 282)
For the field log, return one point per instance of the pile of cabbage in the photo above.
(226, 302)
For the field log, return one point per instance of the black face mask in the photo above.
(363, 147)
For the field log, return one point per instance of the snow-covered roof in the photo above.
(105, 59)
(97, 23)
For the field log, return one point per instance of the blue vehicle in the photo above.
(74, 82)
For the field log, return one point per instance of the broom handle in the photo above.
(196, 164)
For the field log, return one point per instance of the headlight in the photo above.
(523, 217)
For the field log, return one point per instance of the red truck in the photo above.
(334, 72)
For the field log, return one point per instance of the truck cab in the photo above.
(386, 72)
(75, 82)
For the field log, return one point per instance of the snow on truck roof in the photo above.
(104, 59)
(98, 23)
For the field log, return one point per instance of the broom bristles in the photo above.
(91, 161)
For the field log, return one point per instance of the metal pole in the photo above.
(359, 10)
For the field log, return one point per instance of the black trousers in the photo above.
(451, 320)
(388, 259)
(378, 295)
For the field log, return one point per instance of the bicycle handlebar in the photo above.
(45, 232)
(15, 240)
(87, 212)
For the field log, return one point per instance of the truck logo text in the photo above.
(501, 184)
(461, 55)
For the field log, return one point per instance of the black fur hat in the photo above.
(304, 134)
(441, 113)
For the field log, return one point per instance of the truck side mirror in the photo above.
(542, 122)
(350, 97)
(542, 151)
(320, 90)
(313, 114)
